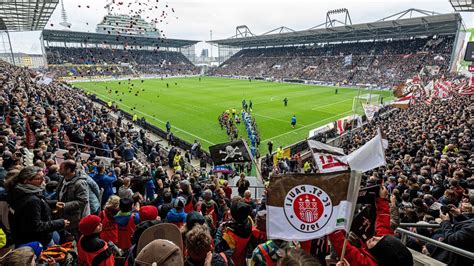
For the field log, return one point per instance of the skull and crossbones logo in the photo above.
(230, 152)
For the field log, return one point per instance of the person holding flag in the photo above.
(383, 248)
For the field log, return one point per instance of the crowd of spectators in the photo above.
(68, 61)
(382, 63)
(429, 171)
(130, 208)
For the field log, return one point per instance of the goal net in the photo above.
(371, 99)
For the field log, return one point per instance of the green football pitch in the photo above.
(193, 106)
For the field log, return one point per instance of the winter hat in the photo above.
(160, 252)
(36, 246)
(88, 224)
(126, 205)
(179, 202)
(240, 212)
(391, 251)
(194, 218)
(148, 213)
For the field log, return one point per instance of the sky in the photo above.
(193, 19)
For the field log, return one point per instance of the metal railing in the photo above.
(76, 145)
(405, 233)
(256, 191)
(419, 225)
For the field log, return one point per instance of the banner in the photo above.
(347, 60)
(370, 110)
(231, 152)
(340, 126)
(327, 158)
(403, 103)
(467, 89)
(320, 130)
(442, 89)
(303, 207)
(363, 224)
(370, 155)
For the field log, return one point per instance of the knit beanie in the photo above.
(88, 224)
(390, 251)
(194, 218)
(148, 213)
(240, 212)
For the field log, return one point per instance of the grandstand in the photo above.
(382, 53)
(85, 180)
(79, 54)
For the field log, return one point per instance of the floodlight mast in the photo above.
(64, 23)
(243, 31)
(330, 21)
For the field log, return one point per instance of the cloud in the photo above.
(195, 19)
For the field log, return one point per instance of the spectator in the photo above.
(234, 235)
(126, 220)
(19, 256)
(160, 252)
(297, 257)
(227, 189)
(383, 248)
(459, 235)
(109, 226)
(73, 195)
(148, 218)
(32, 217)
(242, 185)
(198, 243)
(91, 250)
(105, 182)
(177, 215)
(125, 191)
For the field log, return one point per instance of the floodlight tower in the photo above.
(347, 17)
(64, 23)
(107, 6)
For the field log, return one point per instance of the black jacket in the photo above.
(32, 218)
(460, 235)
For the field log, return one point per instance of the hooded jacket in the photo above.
(32, 218)
(75, 195)
(174, 216)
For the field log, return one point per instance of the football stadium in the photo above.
(138, 132)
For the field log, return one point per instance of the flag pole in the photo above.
(353, 193)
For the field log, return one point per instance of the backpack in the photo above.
(63, 254)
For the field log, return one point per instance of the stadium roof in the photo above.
(463, 5)
(442, 24)
(101, 38)
(25, 15)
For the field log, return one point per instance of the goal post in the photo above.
(368, 98)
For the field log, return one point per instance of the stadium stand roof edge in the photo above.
(111, 39)
(442, 24)
(26, 15)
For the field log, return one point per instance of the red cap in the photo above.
(88, 224)
(148, 213)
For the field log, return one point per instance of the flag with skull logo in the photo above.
(230, 152)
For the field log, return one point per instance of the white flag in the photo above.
(303, 207)
(327, 158)
(370, 110)
(370, 155)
